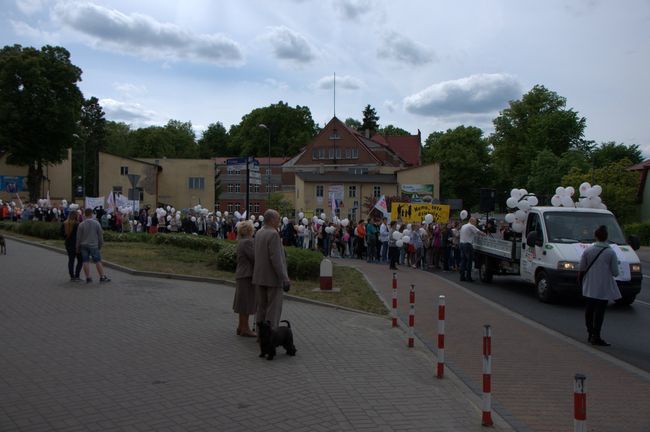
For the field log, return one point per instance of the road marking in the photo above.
(646, 276)
(642, 302)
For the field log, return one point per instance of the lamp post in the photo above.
(268, 166)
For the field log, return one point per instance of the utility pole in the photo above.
(248, 184)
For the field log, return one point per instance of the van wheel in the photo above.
(484, 272)
(626, 300)
(543, 287)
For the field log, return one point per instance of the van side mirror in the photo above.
(634, 242)
(534, 238)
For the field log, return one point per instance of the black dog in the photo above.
(3, 245)
(269, 339)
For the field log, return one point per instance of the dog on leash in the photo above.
(3, 245)
(269, 339)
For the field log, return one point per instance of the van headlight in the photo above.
(635, 268)
(567, 265)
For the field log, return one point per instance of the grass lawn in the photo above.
(355, 291)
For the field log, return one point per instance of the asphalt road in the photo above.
(627, 328)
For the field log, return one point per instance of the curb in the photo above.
(204, 279)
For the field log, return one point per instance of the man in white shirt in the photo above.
(467, 234)
(383, 239)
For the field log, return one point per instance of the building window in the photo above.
(269, 171)
(376, 191)
(319, 190)
(124, 170)
(321, 153)
(314, 153)
(330, 153)
(318, 212)
(267, 187)
(352, 191)
(231, 187)
(256, 207)
(197, 183)
(233, 169)
(347, 153)
(230, 208)
(355, 153)
(358, 171)
(254, 187)
(237, 187)
(117, 189)
(138, 195)
(338, 153)
(237, 207)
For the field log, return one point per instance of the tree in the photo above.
(174, 140)
(540, 120)
(619, 187)
(545, 175)
(214, 141)
(609, 152)
(279, 203)
(463, 156)
(290, 128)
(353, 123)
(393, 130)
(370, 120)
(118, 138)
(40, 105)
(85, 149)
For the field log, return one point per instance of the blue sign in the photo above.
(13, 184)
(242, 161)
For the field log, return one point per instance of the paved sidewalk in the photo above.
(532, 368)
(145, 354)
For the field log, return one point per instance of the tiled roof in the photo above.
(263, 160)
(341, 177)
(407, 147)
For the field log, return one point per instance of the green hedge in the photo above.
(642, 230)
(44, 230)
(112, 236)
(227, 258)
(188, 241)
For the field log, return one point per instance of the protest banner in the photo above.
(415, 213)
(92, 202)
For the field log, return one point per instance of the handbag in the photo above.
(581, 274)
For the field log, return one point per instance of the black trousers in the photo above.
(595, 315)
(393, 256)
(74, 272)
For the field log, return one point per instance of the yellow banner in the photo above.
(410, 213)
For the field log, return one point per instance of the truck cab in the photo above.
(551, 247)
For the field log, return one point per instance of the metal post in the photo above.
(248, 185)
(440, 369)
(579, 404)
(487, 376)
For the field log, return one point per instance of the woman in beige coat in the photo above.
(244, 303)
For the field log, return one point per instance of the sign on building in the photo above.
(417, 193)
(415, 213)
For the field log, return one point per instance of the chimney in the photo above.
(368, 133)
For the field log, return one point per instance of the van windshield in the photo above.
(578, 227)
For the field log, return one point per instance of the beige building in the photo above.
(114, 177)
(57, 179)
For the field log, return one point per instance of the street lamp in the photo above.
(268, 166)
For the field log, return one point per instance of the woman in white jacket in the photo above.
(598, 285)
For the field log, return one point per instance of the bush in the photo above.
(188, 241)
(44, 230)
(8, 225)
(642, 230)
(303, 263)
(117, 237)
(227, 258)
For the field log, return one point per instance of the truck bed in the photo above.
(504, 249)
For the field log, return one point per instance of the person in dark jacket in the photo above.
(69, 231)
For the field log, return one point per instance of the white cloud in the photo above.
(29, 7)
(131, 113)
(343, 81)
(390, 105)
(352, 9)
(401, 49)
(23, 29)
(475, 94)
(289, 45)
(129, 89)
(280, 85)
(138, 34)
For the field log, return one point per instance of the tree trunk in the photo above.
(34, 180)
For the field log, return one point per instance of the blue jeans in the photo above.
(384, 251)
(466, 260)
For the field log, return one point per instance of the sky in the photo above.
(425, 65)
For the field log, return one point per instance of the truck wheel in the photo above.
(484, 272)
(626, 300)
(543, 287)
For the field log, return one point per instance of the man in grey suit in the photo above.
(270, 273)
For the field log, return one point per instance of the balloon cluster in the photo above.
(522, 201)
(563, 197)
(590, 197)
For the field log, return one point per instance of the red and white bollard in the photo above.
(411, 340)
(441, 337)
(394, 312)
(487, 376)
(326, 275)
(579, 404)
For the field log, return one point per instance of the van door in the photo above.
(531, 255)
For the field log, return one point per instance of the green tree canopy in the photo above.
(393, 130)
(370, 120)
(118, 138)
(290, 130)
(40, 105)
(609, 152)
(619, 187)
(353, 123)
(214, 141)
(174, 140)
(463, 156)
(540, 120)
(85, 150)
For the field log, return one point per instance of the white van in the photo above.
(555, 238)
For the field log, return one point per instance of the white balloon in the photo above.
(584, 187)
(260, 218)
(252, 218)
(422, 230)
(428, 218)
(397, 235)
(304, 221)
(520, 215)
(602, 206)
(556, 201)
(570, 191)
(237, 215)
(345, 222)
(193, 219)
(523, 192)
(406, 239)
(511, 202)
(301, 215)
(567, 201)
(107, 216)
(597, 201)
(301, 228)
(518, 227)
(218, 213)
(399, 243)
(178, 216)
(463, 215)
(169, 217)
(406, 232)
(597, 190)
(173, 210)
(285, 220)
(523, 205)
(591, 192)
(323, 216)
(169, 227)
(560, 191)
(515, 194)
(510, 217)
(225, 213)
(532, 200)
(314, 219)
(408, 226)
(320, 221)
(169, 208)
